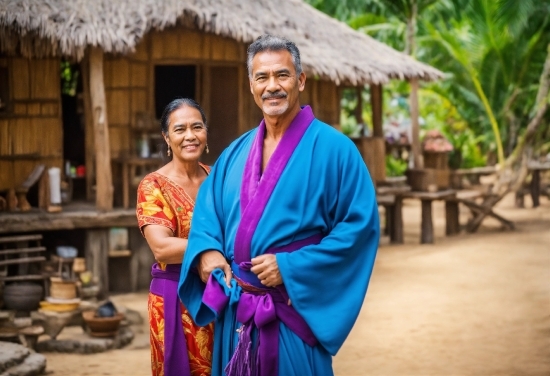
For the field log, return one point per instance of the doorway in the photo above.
(173, 81)
(223, 121)
(74, 125)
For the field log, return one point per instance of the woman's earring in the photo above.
(169, 151)
(206, 149)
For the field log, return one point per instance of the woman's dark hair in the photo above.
(176, 104)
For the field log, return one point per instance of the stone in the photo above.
(33, 365)
(17, 360)
(87, 345)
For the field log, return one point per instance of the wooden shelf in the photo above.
(23, 260)
(120, 253)
(22, 238)
(24, 278)
(16, 251)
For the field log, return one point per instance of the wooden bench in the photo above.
(480, 210)
(473, 175)
(391, 198)
(451, 212)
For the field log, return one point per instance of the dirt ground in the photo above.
(473, 304)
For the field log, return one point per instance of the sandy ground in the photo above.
(473, 304)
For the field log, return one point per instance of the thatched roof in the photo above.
(329, 48)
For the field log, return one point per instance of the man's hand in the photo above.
(210, 260)
(267, 270)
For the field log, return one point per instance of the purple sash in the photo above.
(261, 307)
(256, 188)
(165, 284)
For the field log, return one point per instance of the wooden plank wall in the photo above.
(34, 125)
(327, 104)
(129, 80)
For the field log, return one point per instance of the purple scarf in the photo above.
(263, 308)
(165, 284)
(256, 188)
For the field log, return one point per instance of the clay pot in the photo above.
(23, 296)
(102, 326)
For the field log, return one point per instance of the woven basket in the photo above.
(62, 289)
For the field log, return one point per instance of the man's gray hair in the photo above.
(269, 42)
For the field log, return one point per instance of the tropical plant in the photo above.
(493, 52)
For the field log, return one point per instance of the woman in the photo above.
(166, 199)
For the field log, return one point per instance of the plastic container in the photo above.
(66, 251)
(55, 185)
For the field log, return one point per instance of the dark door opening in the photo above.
(74, 125)
(173, 81)
(223, 123)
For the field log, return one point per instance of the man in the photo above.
(284, 233)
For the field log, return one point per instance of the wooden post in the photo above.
(427, 228)
(359, 107)
(394, 220)
(243, 77)
(97, 258)
(415, 142)
(104, 185)
(88, 130)
(535, 187)
(452, 224)
(377, 105)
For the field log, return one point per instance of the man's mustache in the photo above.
(274, 96)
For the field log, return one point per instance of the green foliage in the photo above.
(492, 52)
(395, 166)
(69, 78)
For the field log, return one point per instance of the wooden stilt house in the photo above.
(134, 57)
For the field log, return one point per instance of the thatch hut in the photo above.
(133, 56)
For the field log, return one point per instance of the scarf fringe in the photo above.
(241, 363)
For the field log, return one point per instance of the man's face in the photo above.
(274, 82)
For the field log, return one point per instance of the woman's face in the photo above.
(186, 134)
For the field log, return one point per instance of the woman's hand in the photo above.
(210, 260)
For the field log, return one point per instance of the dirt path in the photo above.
(475, 304)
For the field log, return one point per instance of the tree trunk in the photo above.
(514, 171)
(411, 29)
(415, 128)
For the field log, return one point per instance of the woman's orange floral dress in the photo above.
(163, 202)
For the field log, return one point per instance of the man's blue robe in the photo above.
(325, 189)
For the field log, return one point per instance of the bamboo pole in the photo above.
(104, 184)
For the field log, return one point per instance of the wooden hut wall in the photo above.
(31, 131)
(130, 80)
(130, 84)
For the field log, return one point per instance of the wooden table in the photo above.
(129, 166)
(535, 168)
(452, 226)
(472, 174)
